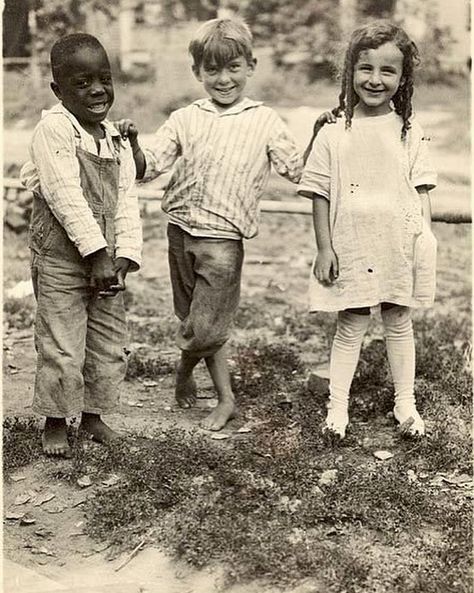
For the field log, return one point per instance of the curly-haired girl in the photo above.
(369, 178)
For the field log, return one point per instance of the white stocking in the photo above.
(401, 357)
(350, 332)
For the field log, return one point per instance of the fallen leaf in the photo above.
(327, 477)
(84, 481)
(383, 455)
(27, 520)
(44, 498)
(43, 532)
(55, 509)
(219, 436)
(22, 499)
(244, 429)
(111, 481)
(14, 515)
(17, 478)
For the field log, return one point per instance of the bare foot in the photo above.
(97, 428)
(218, 418)
(186, 390)
(54, 438)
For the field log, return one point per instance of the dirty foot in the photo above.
(219, 417)
(54, 438)
(97, 428)
(186, 390)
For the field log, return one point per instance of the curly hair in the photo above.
(372, 36)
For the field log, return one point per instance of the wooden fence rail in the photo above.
(441, 207)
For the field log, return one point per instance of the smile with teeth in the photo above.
(98, 107)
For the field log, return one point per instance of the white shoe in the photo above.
(337, 420)
(411, 423)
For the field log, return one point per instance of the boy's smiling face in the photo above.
(226, 84)
(85, 86)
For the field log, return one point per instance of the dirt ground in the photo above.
(51, 540)
(274, 290)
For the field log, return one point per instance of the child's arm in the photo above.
(53, 152)
(128, 228)
(129, 130)
(158, 159)
(326, 267)
(424, 194)
(328, 117)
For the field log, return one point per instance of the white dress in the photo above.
(369, 176)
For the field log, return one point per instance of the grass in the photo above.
(259, 507)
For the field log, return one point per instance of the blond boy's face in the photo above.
(226, 85)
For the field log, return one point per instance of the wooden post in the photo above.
(35, 70)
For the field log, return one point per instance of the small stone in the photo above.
(84, 482)
(383, 455)
(327, 477)
(219, 436)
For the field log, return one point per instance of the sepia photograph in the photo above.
(237, 296)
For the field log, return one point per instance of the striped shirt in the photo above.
(54, 172)
(222, 163)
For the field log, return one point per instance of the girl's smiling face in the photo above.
(377, 76)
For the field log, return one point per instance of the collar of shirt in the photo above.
(246, 103)
(109, 128)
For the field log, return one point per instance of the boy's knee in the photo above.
(203, 340)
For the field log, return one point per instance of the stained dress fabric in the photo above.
(369, 175)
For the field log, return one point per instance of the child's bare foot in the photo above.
(97, 428)
(186, 390)
(54, 438)
(218, 418)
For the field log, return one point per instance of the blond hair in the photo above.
(220, 40)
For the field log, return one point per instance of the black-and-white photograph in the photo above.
(237, 299)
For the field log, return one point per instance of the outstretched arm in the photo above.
(129, 130)
(327, 117)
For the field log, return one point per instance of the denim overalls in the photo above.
(80, 339)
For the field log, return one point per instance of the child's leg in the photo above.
(60, 330)
(351, 328)
(205, 275)
(401, 357)
(105, 363)
(226, 408)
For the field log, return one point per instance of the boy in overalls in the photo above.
(85, 236)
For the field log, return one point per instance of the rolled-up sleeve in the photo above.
(422, 171)
(128, 228)
(163, 150)
(283, 152)
(53, 151)
(316, 178)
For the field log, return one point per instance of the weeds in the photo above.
(21, 438)
(148, 367)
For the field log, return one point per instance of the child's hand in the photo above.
(327, 117)
(326, 267)
(122, 266)
(127, 129)
(103, 275)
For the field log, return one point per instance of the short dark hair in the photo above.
(68, 45)
(219, 41)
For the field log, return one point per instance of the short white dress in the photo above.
(369, 176)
